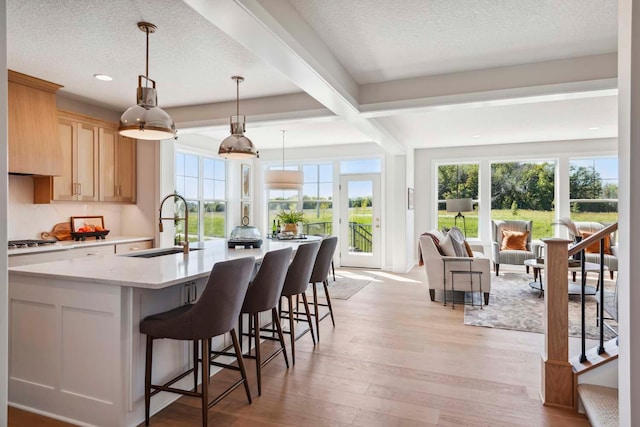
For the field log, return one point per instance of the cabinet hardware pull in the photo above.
(74, 190)
(79, 189)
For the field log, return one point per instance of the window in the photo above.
(524, 191)
(202, 182)
(593, 189)
(316, 198)
(456, 182)
(360, 166)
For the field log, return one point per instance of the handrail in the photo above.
(592, 239)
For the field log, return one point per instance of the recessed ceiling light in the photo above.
(475, 136)
(103, 77)
(594, 128)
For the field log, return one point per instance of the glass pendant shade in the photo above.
(146, 120)
(283, 179)
(237, 146)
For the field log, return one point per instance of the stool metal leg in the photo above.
(256, 329)
(205, 381)
(195, 365)
(147, 379)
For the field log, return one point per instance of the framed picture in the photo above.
(410, 198)
(245, 213)
(245, 182)
(80, 224)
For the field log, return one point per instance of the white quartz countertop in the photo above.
(152, 273)
(71, 244)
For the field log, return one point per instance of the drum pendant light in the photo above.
(237, 146)
(146, 120)
(283, 179)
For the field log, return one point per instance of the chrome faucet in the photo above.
(175, 218)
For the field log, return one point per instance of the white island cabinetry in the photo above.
(75, 349)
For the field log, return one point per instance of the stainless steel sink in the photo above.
(168, 251)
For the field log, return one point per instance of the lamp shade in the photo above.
(459, 205)
(283, 180)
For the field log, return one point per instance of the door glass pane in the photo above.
(360, 196)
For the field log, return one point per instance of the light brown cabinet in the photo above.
(98, 164)
(79, 143)
(117, 167)
(33, 145)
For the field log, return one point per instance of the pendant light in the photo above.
(236, 145)
(283, 179)
(146, 120)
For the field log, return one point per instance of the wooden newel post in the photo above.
(557, 372)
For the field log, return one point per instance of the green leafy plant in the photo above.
(291, 217)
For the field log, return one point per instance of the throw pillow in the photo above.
(594, 248)
(447, 246)
(514, 240)
(458, 242)
(468, 249)
(436, 241)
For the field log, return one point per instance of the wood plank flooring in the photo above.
(394, 359)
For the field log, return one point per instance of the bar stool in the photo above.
(333, 269)
(320, 273)
(215, 313)
(295, 284)
(263, 294)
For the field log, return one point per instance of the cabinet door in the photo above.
(87, 162)
(64, 187)
(126, 169)
(108, 153)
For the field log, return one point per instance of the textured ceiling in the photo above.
(336, 45)
(192, 61)
(388, 40)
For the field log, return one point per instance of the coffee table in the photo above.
(574, 288)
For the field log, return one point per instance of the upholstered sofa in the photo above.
(438, 271)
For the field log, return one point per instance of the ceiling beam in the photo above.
(273, 31)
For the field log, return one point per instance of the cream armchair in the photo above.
(439, 272)
(512, 257)
(610, 260)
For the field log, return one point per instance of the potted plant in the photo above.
(291, 219)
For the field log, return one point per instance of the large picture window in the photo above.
(316, 198)
(458, 181)
(524, 191)
(201, 181)
(593, 187)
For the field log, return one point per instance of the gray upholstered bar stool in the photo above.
(215, 313)
(319, 274)
(295, 284)
(263, 295)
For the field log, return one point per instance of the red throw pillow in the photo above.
(594, 248)
(514, 240)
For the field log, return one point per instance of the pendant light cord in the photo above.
(237, 97)
(147, 65)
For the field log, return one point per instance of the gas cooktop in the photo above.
(20, 244)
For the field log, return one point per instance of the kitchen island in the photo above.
(75, 352)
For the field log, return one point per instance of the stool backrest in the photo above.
(299, 271)
(266, 287)
(218, 308)
(323, 260)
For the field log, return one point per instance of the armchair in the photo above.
(511, 256)
(439, 273)
(610, 260)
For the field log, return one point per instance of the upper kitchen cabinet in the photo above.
(117, 167)
(33, 126)
(78, 139)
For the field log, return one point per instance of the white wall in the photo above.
(4, 289)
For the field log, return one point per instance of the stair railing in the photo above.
(557, 388)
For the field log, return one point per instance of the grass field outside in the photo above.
(542, 220)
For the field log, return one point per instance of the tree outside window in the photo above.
(593, 189)
(456, 182)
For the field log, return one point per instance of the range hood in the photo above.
(34, 147)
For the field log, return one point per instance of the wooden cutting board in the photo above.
(60, 231)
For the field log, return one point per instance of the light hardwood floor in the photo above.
(394, 359)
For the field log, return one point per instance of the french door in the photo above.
(360, 226)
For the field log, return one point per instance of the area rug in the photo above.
(514, 305)
(347, 284)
